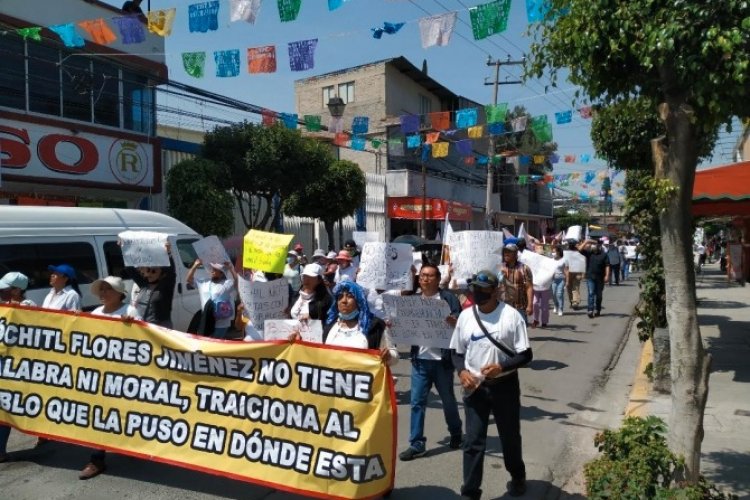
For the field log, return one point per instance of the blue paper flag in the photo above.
(466, 117)
(377, 33)
(358, 143)
(335, 4)
(131, 29)
(464, 147)
(290, 120)
(536, 10)
(392, 28)
(589, 175)
(585, 158)
(554, 158)
(426, 152)
(524, 160)
(562, 117)
(227, 63)
(482, 160)
(302, 54)
(409, 124)
(68, 35)
(203, 17)
(413, 141)
(496, 128)
(360, 125)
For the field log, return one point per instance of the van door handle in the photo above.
(179, 287)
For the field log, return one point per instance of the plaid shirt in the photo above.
(517, 278)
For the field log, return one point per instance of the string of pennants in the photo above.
(486, 20)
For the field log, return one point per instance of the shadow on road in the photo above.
(559, 339)
(732, 469)
(546, 364)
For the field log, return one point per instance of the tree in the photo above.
(692, 58)
(334, 195)
(261, 163)
(524, 143)
(196, 199)
(566, 217)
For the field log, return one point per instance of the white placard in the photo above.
(385, 266)
(542, 268)
(417, 261)
(144, 248)
(281, 329)
(416, 320)
(362, 237)
(473, 251)
(210, 250)
(574, 233)
(576, 261)
(263, 300)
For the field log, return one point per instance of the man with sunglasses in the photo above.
(489, 344)
(431, 365)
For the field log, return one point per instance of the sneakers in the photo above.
(597, 313)
(455, 442)
(555, 310)
(591, 314)
(517, 487)
(92, 469)
(560, 313)
(411, 453)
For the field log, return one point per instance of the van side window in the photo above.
(32, 260)
(187, 252)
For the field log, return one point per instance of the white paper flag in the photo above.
(519, 124)
(244, 10)
(437, 30)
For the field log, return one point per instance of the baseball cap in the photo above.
(64, 269)
(511, 247)
(292, 253)
(312, 270)
(319, 252)
(14, 279)
(113, 281)
(331, 255)
(484, 279)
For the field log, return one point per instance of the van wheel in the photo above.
(194, 323)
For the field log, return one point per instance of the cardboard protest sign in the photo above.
(265, 251)
(574, 233)
(385, 266)
(362, 237)
(144, 248)
(263, 300)
(308, 419)
(416, 320)
(576, 261)
(473, 251)
(542, 268)
(311, 330)
(210, 251)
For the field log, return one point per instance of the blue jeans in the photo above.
(4, 435)
(596, 289)
(424, 373)
(558, 293)
(625, 269)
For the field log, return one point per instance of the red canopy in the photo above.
(722, 190)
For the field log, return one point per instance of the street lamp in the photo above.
(336, 106)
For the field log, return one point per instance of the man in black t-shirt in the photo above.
(597, 272)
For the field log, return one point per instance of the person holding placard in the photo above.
(597, 272)
(430, 365)
(65, 294)
(518, 284)
(574, 282)
(314, 299)
(155, 292)
(489, 344)
(217, 297)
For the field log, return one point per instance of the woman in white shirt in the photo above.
(218, 290)
(559, 280)
(64, 295)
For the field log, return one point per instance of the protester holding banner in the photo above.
(65, 294)
(597, 272)
(518, 284)
(489, 344)
(314, 299)
(559, 280)
(217, 297)
(430, 365)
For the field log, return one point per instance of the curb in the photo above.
(639, 394)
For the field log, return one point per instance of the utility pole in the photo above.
(488, 213)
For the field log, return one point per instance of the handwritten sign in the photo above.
(362, 237)
(265, 251)
(385, 266)
(574, 233)
(280, 329)
(263, 300)
(473, 251)
(416, 320)
(576, 261)
(144, 248)
(542, 268)
(210, 250)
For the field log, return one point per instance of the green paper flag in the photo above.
(288, 9)
(376, 143)
(543, 132)
(312, 123)
(489, 18)
(194, 62)
(538, 121)
(33, 33)
(496, 113)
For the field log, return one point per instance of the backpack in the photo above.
(613, 256)
(223, 309)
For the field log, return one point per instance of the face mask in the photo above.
(290, 260)
(305, 295)
(350, 316)
(480, 296)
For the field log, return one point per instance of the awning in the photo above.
(722, 190)
(410, 207)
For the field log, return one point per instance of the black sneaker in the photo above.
(597, 313)
(455, 442)
(410, 454)
(517, 487)
(591, 314)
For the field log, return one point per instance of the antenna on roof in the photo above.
(424, 66)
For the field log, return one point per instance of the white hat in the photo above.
(113, 281)
(218, 267)
(14, 280)
(331, 255)
(313, 270)
(319, 253)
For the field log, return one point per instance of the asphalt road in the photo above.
(576, 385)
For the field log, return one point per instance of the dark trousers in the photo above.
(614, 269)
(596, 289)
(503, 400)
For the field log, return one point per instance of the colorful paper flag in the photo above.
(543, 132)
(489, 18)
(358, 143)
(496, 113)
(160, 21)
(227, 63)
(585, 112)
(388, 28)
(538, 159)
(464, 147)
(33, 32)
(289, 120)
(431, 137)
(341, 139)
(585, 158)
(426, 152)
(194, 62)
(554, 158)
(288, 9)
(312, 123)
(267, 118)
(496, 128)
(440, 120)
(562, 117)
(536, 10)
(261, 59)
(203, 17)
(482, 160)
(335, 4)
(244, 10)
(475, 132)
(376, 143)
(437, 30)
(302, 54)
(409, 124)
(360, 125)
(466, 117)
(413, 141)
(68, 35)
(519, 123)
(590, 174)
(440, 149)
(98, 30)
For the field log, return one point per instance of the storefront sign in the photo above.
(410, 207)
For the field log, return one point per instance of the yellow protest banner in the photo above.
(296, 417)
(265, 251)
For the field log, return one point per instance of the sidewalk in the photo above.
(724, 316)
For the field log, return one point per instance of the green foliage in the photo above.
(563, 219)
(524, 143)
(196, 198)
(636, 464)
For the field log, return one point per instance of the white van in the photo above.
(32, 238)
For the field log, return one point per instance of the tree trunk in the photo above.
(660, 368)
(690, 363)
(244, 207)
(263, 226)
(328, 225)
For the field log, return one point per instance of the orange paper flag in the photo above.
(440, 120)
(431, 137)
(261, 59)
(98, 30)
